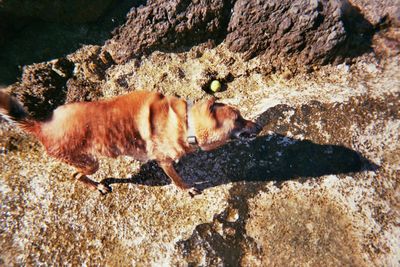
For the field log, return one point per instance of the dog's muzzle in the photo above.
(249, 132)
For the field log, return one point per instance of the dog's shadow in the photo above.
(267, 158)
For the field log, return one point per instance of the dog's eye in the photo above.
(214, 106)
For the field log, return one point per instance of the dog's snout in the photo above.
(258, 128)
(249, 131)
(253, 127)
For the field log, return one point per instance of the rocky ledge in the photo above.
(319, 186)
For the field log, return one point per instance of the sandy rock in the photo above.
(319, 183)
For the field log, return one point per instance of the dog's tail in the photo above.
(13, 111)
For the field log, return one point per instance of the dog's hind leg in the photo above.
(87, 165)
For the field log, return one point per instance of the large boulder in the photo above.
(293, 33)
(286, 34)
(169, 25)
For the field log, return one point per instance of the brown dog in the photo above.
(144, 125)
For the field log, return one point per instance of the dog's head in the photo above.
(217, 123)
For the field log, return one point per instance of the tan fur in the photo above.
(144, 125)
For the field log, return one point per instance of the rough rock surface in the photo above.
(376, 11)
(289, 34)
(42, 87)
(319, 186)
(297, 34)
(284, 29)
(385, 17)
(78, 77)
(168, 25)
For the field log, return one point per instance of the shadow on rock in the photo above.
(267, 158)
(29, 40)
(359, 34)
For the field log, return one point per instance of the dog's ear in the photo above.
(210, 104)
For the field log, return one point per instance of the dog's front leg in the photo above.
(103, 188)
(176, 179)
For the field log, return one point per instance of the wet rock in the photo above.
(169, 25)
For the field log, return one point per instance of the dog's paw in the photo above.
(194, 191)
(104, 188)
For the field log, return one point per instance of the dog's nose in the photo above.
(258, 128)
(255, 128)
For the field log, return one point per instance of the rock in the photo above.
(27, 40)
(386, 43)
(56, 11)
(307, 191)
(377, 12)
(289, 35)
(385, 18)
(78, 77)
(319, 186)
(169, 25)
(292, 34)
(91, 64)
(42, 88)
(282, 29)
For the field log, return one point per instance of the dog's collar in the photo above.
(191, 134)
